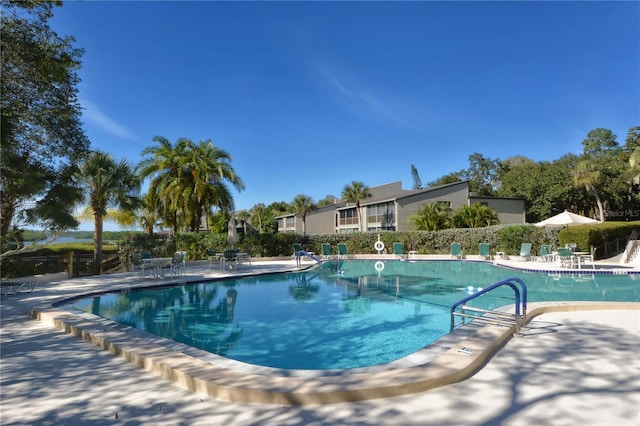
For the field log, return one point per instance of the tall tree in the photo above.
(417, 182)
(632, 147)
(40, 113)
(600, 152)
(188, 180)
(483, 174)
(106, 183)
(303, 204)
(355, 192)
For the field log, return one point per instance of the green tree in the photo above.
(476, 215)
(106, 183)
(417, 182)
(40, 113)
(303, 204)
(355, 192)
(632, 147)
(244, 216)
(432, 216)
(483, 174)
(447, 179)
(258, 216)
(328, 200)
(188, 180)
(546, 186)
(600, 151)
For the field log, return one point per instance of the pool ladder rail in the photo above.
(517, 319)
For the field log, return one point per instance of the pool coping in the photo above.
(459, 362)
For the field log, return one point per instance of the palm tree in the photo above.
(188, 180)
(354, 193)
(432, 217)
(476, 215)
(209, 169)
(162, 165)
(587, 174)
(303, 204)
(244, 217)
(106, 183)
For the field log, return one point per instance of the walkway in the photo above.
(569, 368)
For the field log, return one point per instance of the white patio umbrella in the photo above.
(566, 218)
(232, 232)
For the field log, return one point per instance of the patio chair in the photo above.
(213, 257)
(398, 250)
(485, 251)
(525, 251)
(545, 253)
(178, 263)
(342, 251)
(230, 258)
(137, 265)
(8, 289)
(456, 251)
(296, 248)
(566, 257)
(326, 251)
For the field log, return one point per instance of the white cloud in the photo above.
(353, 94)
(92, 115)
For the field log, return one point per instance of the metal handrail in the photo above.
(517, 316)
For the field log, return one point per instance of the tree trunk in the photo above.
(599, 203)
(97, 244)
(7, 215)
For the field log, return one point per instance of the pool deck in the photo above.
(572, 366)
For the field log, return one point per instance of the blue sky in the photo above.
(309, 96)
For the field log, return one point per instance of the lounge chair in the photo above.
(326, 251)
(456, 251)
(398, 250)
(342, 251)
(525, 251)
(485, 251)
(296, 248)
(545, 253)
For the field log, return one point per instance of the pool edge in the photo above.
(460, 362)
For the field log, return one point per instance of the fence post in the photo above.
(70, 264)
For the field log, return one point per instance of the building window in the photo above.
(348, 217)
(291, 222)
(381, 217)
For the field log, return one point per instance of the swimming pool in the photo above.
(346, 314)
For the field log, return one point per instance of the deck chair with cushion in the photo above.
(326, 251)
(456, 251)
(485, 251)
(525, 251)
(296, 248)
(342, 251)
(398, 250)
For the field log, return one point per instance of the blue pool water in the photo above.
(345, 314)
